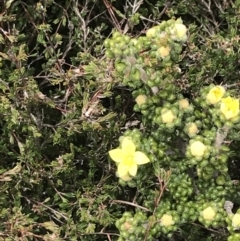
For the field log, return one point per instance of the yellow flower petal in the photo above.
(124, 178)
(122, 170)
(133, 170)
(140, 158)
(230, 107)
(236, 220)
(215, 94)
(128, 146)
(117, 155)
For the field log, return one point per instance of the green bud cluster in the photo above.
(212, 214)
(213, 190)
(234, 237)
(164, 221)
(233, 221)
(211, 113)
(180, 187)
(154, 149)
(139, 226)
(212, 160)
(116, 46)
(132, 228)
(184, 136)
(198, 150)
(170, 115)
(148, 59)
(187, 211)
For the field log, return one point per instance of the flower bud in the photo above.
(163, 51)
(167, 116)
(141, 99)
(197, 149)
(167, 220)
(208, 214)
(192, 129)
(183, 103)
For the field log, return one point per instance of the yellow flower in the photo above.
(236, 220)
(167, 115)
(215, 94)
(197, 148)
(179, 32)
(167, 220)
(230, 107)
(183, 103)
(127, 158)
(163, 51)
(208, 214)
(141, 99)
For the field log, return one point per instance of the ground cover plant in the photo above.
(119, 120)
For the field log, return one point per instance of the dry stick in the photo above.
(131, 204)
(208, 8)
(210, 229)
(135, 6)
(219, 6)
(84, 24)
(101, 233)
(49, 208)
(109, 238)
(111, 12)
